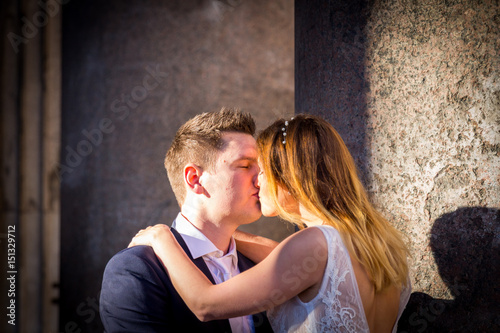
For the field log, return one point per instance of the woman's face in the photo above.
(267, 205)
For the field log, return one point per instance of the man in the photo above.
(212, 168)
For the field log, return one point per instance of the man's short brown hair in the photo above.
(199, 140)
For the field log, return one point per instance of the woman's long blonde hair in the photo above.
(315, 166)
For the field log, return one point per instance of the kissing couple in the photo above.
(346, 270)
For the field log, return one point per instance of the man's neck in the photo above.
(218, 233)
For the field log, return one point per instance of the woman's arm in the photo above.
(293, 266)
(254, 247)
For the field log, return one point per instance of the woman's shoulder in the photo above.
(314, 233)
(319, 233)
(304, 241)
(309, 240)
(329, 232)
(317, 240)
(330, 237)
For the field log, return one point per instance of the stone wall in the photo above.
(414, 89)
(133, 72)
(412, 86)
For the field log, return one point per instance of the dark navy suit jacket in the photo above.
(138, 296)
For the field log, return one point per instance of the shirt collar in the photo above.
(199, 245)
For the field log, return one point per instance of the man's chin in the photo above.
(257, 216)
(254, 217)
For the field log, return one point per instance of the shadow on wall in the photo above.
(466, 248)
(330, 70)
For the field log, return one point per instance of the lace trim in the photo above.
(341, 317)
(338, 306)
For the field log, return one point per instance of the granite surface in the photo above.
(414, 89)
(434, 117)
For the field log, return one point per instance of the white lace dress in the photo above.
(337, 307)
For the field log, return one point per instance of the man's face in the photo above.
(232, 184)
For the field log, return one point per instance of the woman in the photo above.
(345, 272)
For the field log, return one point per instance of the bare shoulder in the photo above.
(307, 241)
(304, 259)
(310, 234)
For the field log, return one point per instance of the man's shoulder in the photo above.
(139, 252)
(136, 270)
(136, 258)
(135, 292)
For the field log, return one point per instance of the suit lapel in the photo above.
(199, 262)
(243, 262)
(260, 320)
(212, 326)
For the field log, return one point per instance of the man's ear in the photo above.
(192, 175)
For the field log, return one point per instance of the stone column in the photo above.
(413, 87)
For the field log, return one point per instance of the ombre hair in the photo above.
(315, 166)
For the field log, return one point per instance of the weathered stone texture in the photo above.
(434, 121)
(413, 87)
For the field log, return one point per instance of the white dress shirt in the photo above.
(221, 266)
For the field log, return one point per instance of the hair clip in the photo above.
(283, 129)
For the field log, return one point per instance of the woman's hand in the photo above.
(152, 235)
